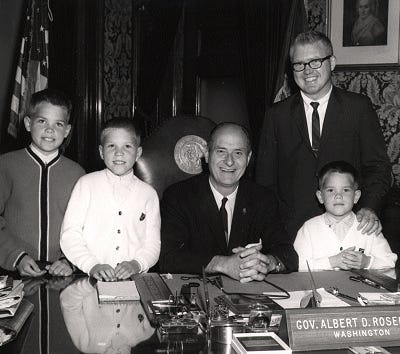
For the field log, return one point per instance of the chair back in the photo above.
(174, 152)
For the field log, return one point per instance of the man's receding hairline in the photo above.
(236, 127)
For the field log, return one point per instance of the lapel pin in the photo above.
(244, 211)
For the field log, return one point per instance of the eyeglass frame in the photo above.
(319, 60)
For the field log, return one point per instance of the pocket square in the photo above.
(142, 217)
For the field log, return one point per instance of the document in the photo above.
(10, 299)
(379, 298)
(10, 327)
(328, 300)
(117, 291)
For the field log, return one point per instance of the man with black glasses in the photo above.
(317, 125)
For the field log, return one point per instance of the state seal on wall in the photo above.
(188, 153)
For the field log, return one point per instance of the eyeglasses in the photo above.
(313, 64)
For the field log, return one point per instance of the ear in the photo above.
(67, 130)
(332, 61)
(357, 195)
(249, 157)
(206, 153)
(27, 123)
(319, 196)
(139, 153)
(101, 152)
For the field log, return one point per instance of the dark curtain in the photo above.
(159, 22)
(267, 29)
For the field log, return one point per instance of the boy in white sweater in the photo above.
(111, 229)
(333, 240)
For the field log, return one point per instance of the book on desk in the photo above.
(117, 291)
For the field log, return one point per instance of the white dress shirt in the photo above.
(229, 206)
(323, 104)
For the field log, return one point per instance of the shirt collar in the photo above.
(219, 196)
(347, 221)
(125, 180)
(307, 100)
(45, 158)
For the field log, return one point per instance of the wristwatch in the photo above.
(279, 266)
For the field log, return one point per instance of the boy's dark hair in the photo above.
(53, 96)
(121, 123)
(340, 167)
(311, 37)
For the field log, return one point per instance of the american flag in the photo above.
(33, 62)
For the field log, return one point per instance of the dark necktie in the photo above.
(224, 218)
(315, 127)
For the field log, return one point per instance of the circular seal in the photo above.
(188, 153)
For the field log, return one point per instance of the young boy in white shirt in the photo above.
(111, 229)
(332, 240)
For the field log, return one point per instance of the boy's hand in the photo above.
(103, 272)
(126, 269)
(29, 268)
(349, 259)
(60, 268)
(369, 222)
(337, 261)
(32, 285)
(356, 260)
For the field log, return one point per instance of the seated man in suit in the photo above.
(221, 222)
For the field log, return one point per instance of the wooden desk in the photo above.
(49, 329)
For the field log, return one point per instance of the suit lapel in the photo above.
(209, 210)
(240, 224)
(300, 120)
(333, 116)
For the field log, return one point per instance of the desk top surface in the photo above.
(68, 319)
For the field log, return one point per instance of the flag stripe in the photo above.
(33, 62)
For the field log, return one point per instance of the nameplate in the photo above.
(341, 327)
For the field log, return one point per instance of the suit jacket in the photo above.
(192, 232)
(286, 162)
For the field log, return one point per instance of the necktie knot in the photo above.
(224, 200)
(314, 105)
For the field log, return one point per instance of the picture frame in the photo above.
(364, 36)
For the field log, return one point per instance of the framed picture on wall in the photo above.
(364, 32)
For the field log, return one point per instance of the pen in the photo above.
(365, 281)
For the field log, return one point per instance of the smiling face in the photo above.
(338, 194)
(119, 150)
(228, 156)
(48, 125)
(315, 83)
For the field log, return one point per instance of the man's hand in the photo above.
(256, 266)
(228, 265)
(126, 269)
(369, 222)
(103, 272)
(29, 268)
(60, 268)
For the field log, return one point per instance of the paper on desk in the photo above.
(328, 300)
(379, 298)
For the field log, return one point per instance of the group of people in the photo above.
(321, 147)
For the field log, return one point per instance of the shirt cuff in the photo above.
(19, 259)
(371, 261)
